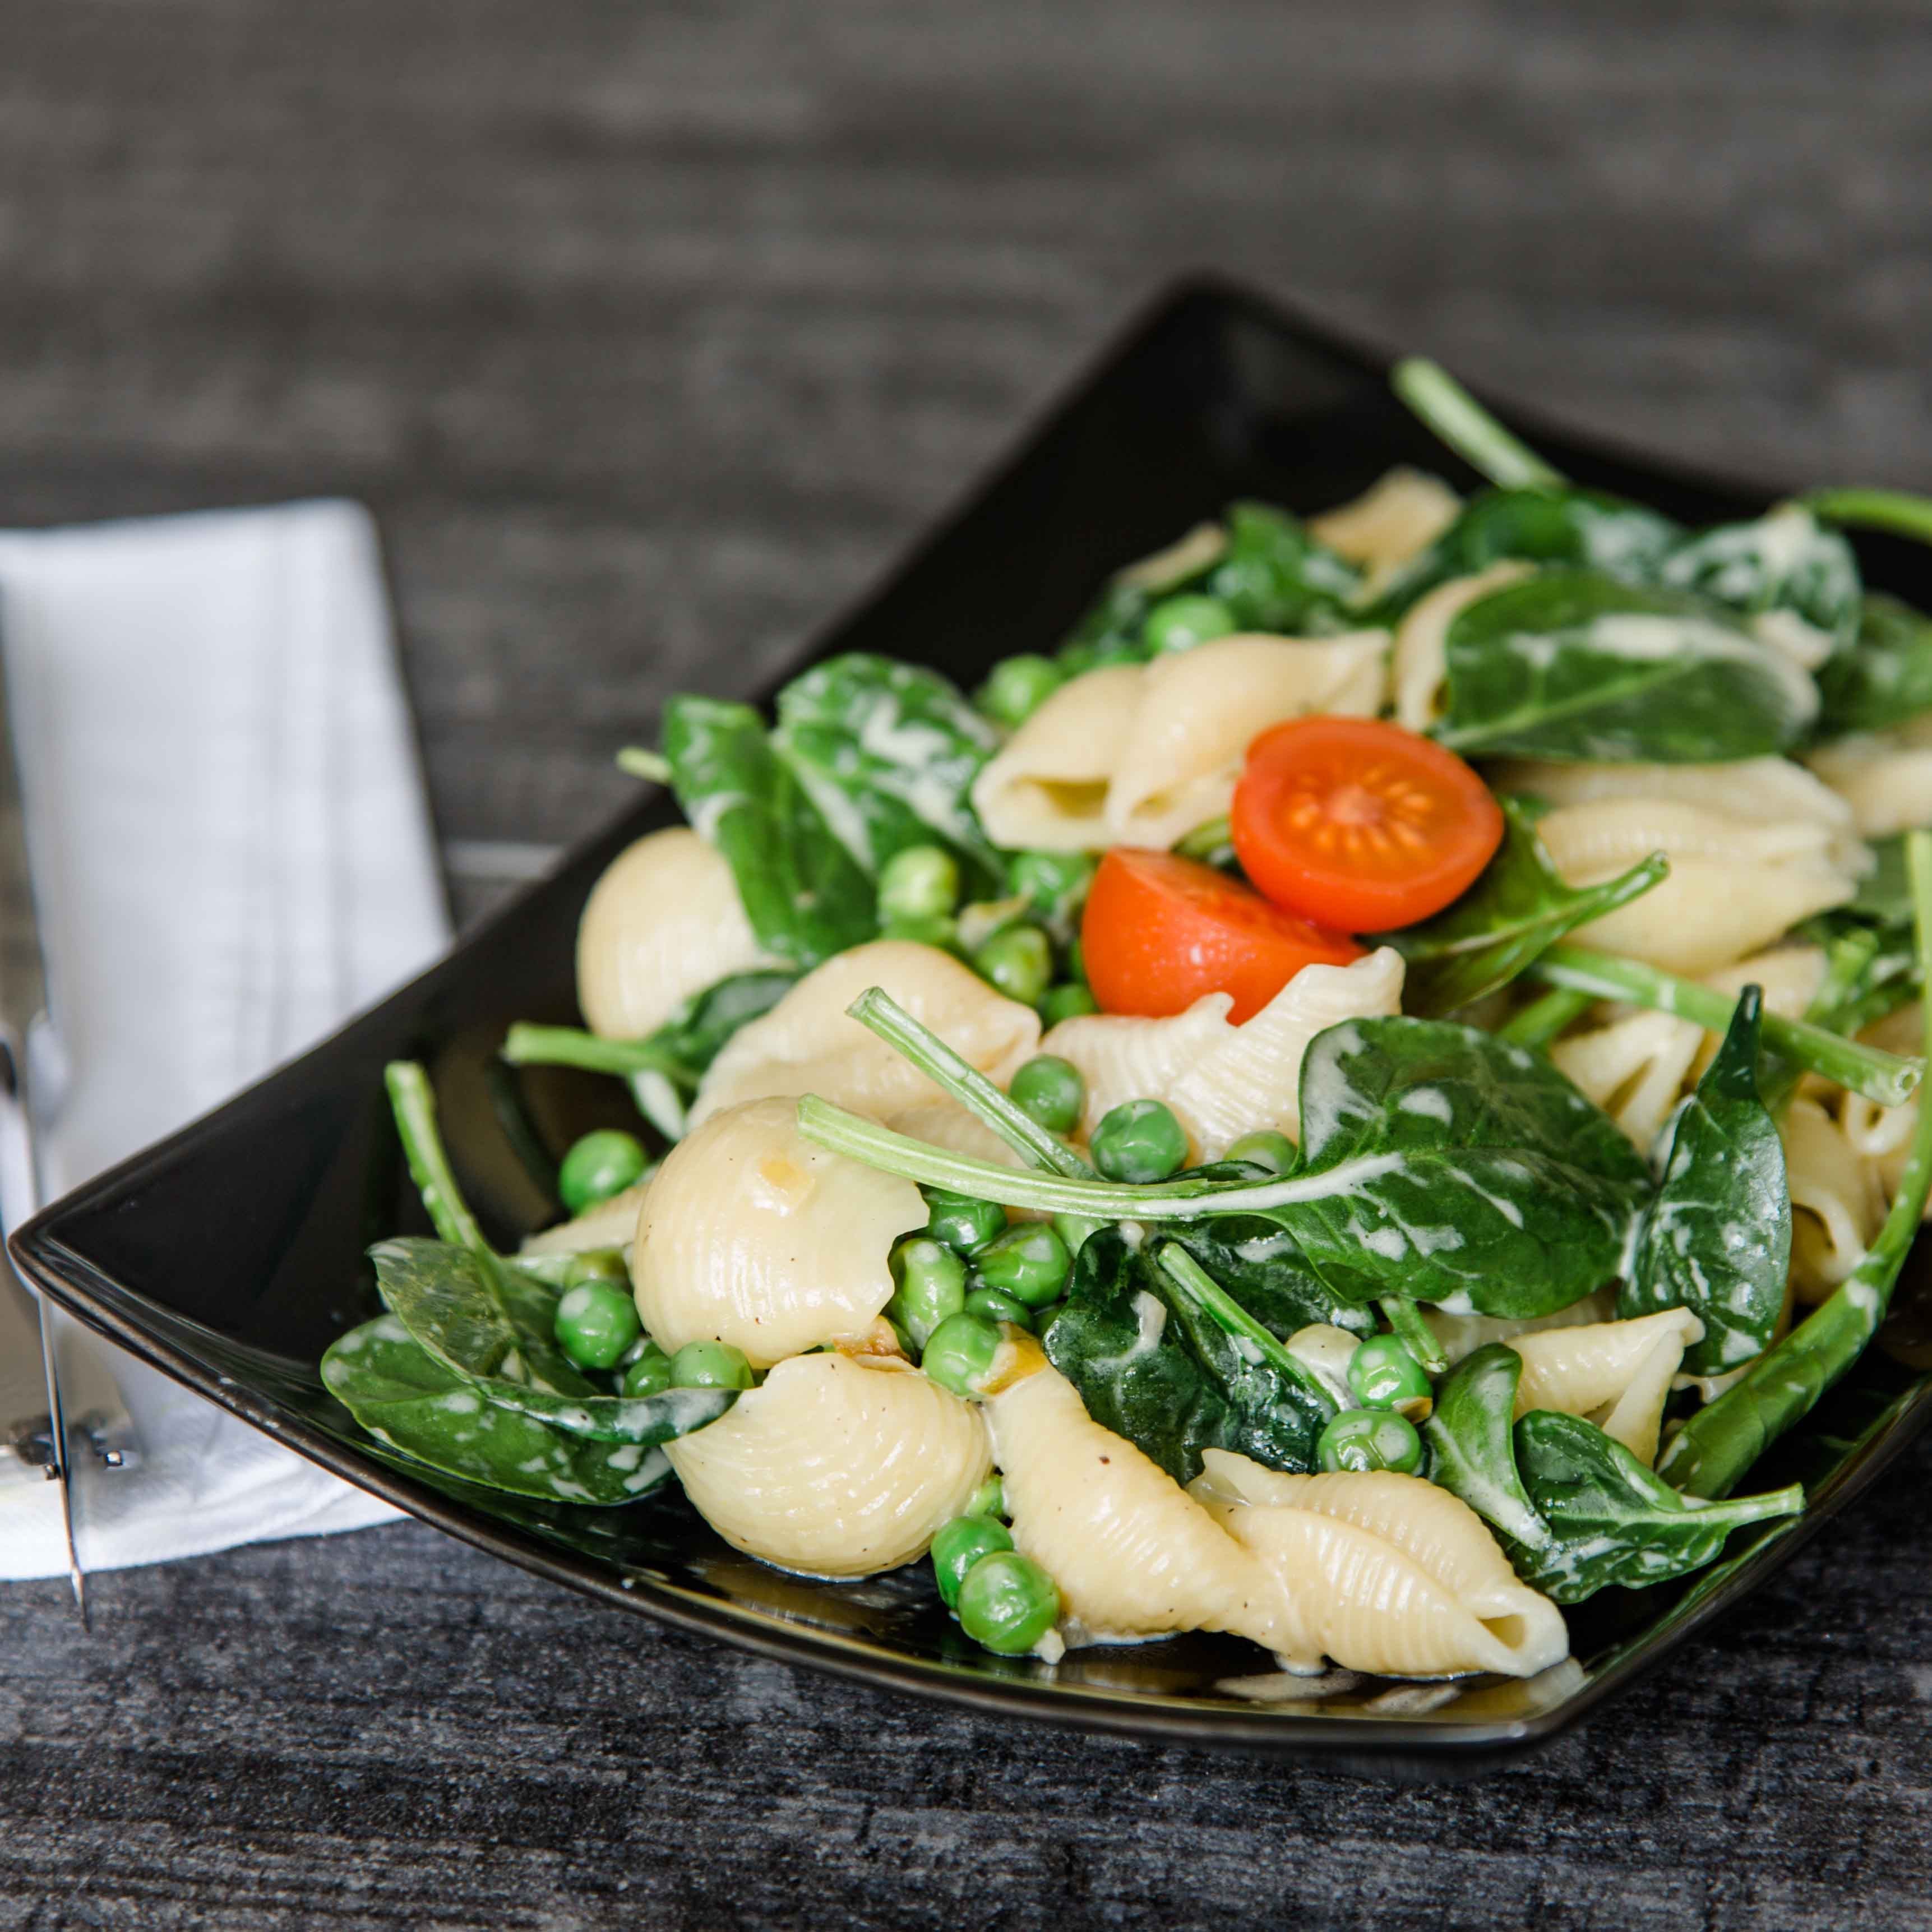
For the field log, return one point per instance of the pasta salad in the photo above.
(1347, 1107)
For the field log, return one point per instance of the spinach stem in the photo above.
(412, 1100)
(1539, 1022)
(1186, 1199)
(1886, 1078)
(1231, 1318)
(1415, 1335)
(528, 1046)
(878, 1010)
(1897, 512)
(652, 766)
(1448, 408)
(1712, 1451)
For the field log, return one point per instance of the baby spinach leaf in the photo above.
(1551, 524)
(684, 1046)
(806, 896)
(889, 751)
(1786, 571)
(1716, 1238)
(1484, 1179)
(1611, 1519)
(1520, 906)
(407, 1399)
(1885, 676)
(1468, 1438)
(1261, 1265)
(1275, 576)
(475, 1313)
(1571, 663)
(1153, 1366)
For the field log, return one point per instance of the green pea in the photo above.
(962, 1222)
(960, 1352)
(710, 1365)
(921, 882)
(1050, 1091)
(1275, 1152)
(988, 1499)
(1139, 1141)
(994, 1304)
(1056, 882)
(1180, 623)
(1029, 1261)
(931, 1282)
(596, 1264)
(1007, 1603)
(649, 1373)
(1017, 960)
(959, 1545)
(1069, 1000)
(595, 1323)
(1018, 687)
(601, 1164)
(1370, 1438)
(1384, 1375)
(1074, 1230)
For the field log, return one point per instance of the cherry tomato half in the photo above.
(1160, 930)
(1359, 824)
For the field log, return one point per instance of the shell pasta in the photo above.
(1343, 1108)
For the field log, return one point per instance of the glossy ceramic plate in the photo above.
(231, 1255)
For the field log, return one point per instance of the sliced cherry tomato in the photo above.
(1359, 824)
(1160, 930)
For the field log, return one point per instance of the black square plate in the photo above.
(232, 1254)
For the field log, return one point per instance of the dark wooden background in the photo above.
(652, 332)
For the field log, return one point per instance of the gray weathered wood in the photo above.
(652, 334)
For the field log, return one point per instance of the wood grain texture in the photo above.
(652, 334)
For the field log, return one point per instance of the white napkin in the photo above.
(232, 852)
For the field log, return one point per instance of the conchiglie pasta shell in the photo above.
(1436, 1530)
(1420, 662)
(612, 1223)
(1839, 1201)
(1617, 1373)
(1633, 1068)
(1134, 1555)
(1121, 1057)
(1403, 512)
(1046, 790)
(1198, 710)
(664, 923)
(1884, 777)
(834, 1467)
(752, 1235)
(806, 1044)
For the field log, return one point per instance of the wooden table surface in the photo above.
(652, 334)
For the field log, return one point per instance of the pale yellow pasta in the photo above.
(663, 922)
(1198, 710)
(1884, 777)
(1202, 545)
(612, 1223)
(1403, 512)
(1224, 1081)
(1616, 1373)
(751, 1234)
(1460, 1335)
(1046, 789)
(1836, 1195)
(1325, 1351)
(1421, 662)
(806, 1044)
(1383, 1573)
(835, 1466)
(1133, 1555)
(1736, 883)
(1633, 1068)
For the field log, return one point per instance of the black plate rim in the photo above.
(106, 1305)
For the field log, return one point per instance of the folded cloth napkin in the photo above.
(232, 852)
